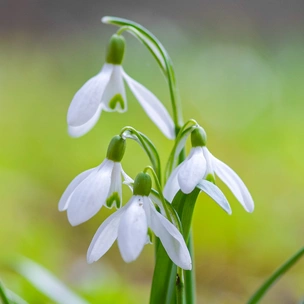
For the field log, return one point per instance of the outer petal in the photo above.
(152, 106)
(83, 129)
(91, 194)
(104, 237)
(233, 181)
(172, 186)
(192, 170)
(114, 97)
(216, 194)
(171, 239)
(65, 198)
(86, 101)
(132, 231)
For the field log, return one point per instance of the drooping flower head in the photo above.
(97, 187)
(130, 225)
(106, 92)
(201, 166)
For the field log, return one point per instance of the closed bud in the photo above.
(142, 184)
(198, 137)
(116, 149)
(116, 49)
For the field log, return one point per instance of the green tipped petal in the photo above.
(210, 177)
(113, 200)
(116, 49)
(117, 99)
(142, 184)
(116, 149)
(198, 137)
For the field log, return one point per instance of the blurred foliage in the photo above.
(248, 95)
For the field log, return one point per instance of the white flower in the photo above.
(106, 92)
(200, 165)
(129, 226)
(92, 189)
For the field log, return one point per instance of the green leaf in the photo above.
(3, 295)
(46, 282)
(163, 283)
(14, 298)
(275, 276)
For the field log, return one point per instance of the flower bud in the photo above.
(116, 149)
(198, 137)
(116, 49)
(142, 184)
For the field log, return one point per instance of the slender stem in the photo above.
(180, 287)
(3, 296)
(190, 275)
(275, 276)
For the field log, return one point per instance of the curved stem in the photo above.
(146, 144)
(275, 276)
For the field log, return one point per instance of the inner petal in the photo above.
(114, 97)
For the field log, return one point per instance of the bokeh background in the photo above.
(240, 70)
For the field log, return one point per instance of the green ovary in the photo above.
(113, 200)
(116, 99)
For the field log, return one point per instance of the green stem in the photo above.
(3, 296)
(190, 275)
(180, 287)
(275, 276)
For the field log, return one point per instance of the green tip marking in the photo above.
(113, 200)
(117, 99)
(210, 178)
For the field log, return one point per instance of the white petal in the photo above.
(209, 167)
(180, 146)
(233, 181)
(83, 129)
(172, 186)
(192, 170)
(132, 231)
(91, 194)
(152, 106)
(155, 199)
(171, 239)
(215, 193)
(114, 97)
(115, 192)
(104, 237)
(65, 198)
(87, 100)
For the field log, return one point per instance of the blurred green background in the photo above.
(240, 70)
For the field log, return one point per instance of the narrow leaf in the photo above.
(274, 277)
(3, 295)
(46, 282)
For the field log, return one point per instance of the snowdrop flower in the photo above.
(130, 224)
(96, 187)
(199, 168)
(106, 92)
